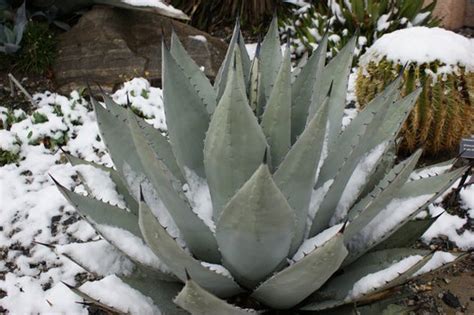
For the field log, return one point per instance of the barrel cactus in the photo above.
(257, 197)
(444, 112)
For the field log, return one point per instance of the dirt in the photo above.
(448, 291)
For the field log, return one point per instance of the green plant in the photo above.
(343, 18)
(444, 112)
(298, 210)
(211, 15)
(39, 49)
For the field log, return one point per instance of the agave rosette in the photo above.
(257, 190)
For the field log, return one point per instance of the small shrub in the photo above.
(39, 49)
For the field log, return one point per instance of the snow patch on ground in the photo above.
(33, 211)
(449, 225)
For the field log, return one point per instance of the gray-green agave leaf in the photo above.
(255, 229)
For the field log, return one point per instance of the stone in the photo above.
(109, 46)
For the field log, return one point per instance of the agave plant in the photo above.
(257, 196)
(10, 38)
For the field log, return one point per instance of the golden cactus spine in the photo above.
(444, 112)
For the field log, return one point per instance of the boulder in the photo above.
(109, 46)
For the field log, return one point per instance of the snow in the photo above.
(378, 279)
(112, 291)
(132, 246)
(197, 192)
(449, 225)
(430, 171)
(172, 11)
(382, 22)
(161, 212)
(8, 142)
(388, 218)
(145, 99)
(358, 179)
(112, 262)
(100, 185)
(310, 244)
(439, 259)
(317, 197)
(251, 49)
(199, 38)
(30, 202)
(422, 45)
(217, 269)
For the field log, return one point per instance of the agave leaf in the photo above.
(434, 169)
(236, 42)
(438, 184)
(402, 278)
(196, 233)
(159, 143)
(197, 78)
(295, 283)
(433, 187)
(122, 188)
(100, 212)
(178, 260)
(348, 138)
(276, 120)
(116, 135)
(232, 157)
(115, 218)
(161, 292)
(255, 229)
(198, 301)
(336, 73)
(187, 116)
(245, 58)
(338, 287)
(270, 61)
(407, 235)
(304, 87)
(382, 131)
(296, 174)
(253, 89)
(92, 300)
(391, 185)
(386, 164)
(161, 147)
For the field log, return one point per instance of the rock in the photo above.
(451, 300)
(109, 46)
